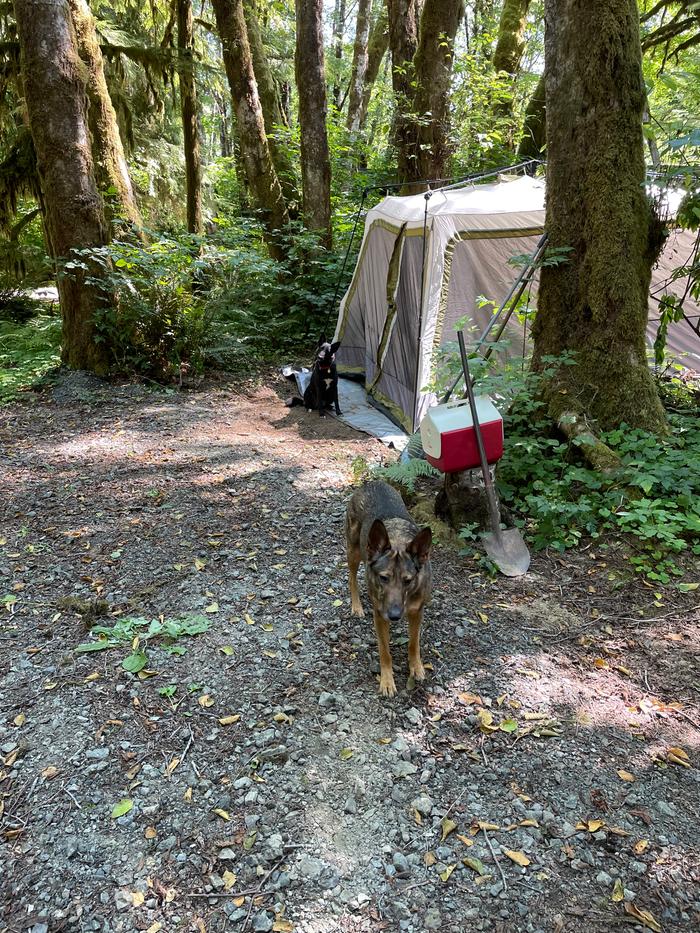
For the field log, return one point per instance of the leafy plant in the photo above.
(27, 352)
(405, 474)
(137, 632)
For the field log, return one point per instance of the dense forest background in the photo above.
(230, 144)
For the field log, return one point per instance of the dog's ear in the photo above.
(377, 540)
(420, 546)
(335, 346)
(322, 340)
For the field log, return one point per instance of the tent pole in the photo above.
(510, 302)
(428, 195)
(345, 258)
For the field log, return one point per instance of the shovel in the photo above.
(506, 549)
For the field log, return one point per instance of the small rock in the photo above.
(404, 769)
(414, 716)
(423, 804)
(403, 869)
(97, 754)
(262, 922)
(432, 919)
(326, 699)
(350, 805)
(123, 899)
(666, 809)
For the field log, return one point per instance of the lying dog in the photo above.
(380, 532)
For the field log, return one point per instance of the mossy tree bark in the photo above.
(510, 43)
(403, 42)
(188, 110)
(56, 100)
(509, 50)
(533, 139)
(311, 89)
(273, 115)
(439, 22)
(110, 165)
(255, 152)
(360, 57)
(595, 304)
(376, 50)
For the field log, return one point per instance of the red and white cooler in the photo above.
(448, 438)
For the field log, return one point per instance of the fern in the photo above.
(405, 474)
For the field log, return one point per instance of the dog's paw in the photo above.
(338, 411)
(417, 671)
(387, 687)
(357, 611)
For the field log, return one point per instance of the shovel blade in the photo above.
(508, 551)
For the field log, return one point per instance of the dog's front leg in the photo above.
(335, 401)
(415, 664)
(387, 687)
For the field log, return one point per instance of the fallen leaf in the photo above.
(171, 767)
(518, 857)
(645, 917)
(227, 650)
(471, 699)
(618, 891)
(137, 898)
(641, 846)
(430, 858)
(465, 840)
(229, 878)
(155, 927)
(591, 825)
(445, 875)
(482, 824)
(476, 865)
(508, 725)
(49, 773)
(212, 608)
(187, 796)
(249, 840)
(229, 720)
(678, 756)
(625, 775)
(346, 753)
(222, 813)
(200, 564)
(121, 808)
(283, 926)
(150, 832)
(206, 700)
(19, 720)
(486, 721)
(448, 826)
(528, 823)
(417, 818)
(484, 618)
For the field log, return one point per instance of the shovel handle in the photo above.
(494, 511)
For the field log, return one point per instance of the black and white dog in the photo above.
(322, 390)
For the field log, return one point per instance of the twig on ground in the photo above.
(416, 884)
(66, 791)
(189, 744)
(483, 753)
(495, 858)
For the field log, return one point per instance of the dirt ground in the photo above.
(249, 777)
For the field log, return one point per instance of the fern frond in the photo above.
(405, 474)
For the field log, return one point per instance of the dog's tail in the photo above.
(293, 400)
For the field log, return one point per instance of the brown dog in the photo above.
(380, 532)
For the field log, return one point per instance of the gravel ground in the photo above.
(249, 777)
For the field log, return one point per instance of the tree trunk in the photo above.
(250, 123)
(403, 41)
(595, 304)
(433, 71)
(359, 65)
(110, 166)
(311, 89)
(376, 50)
(273, 114)
(533, 140)
(56, 99)
(188, 109)
(510, 44)
(338, 31)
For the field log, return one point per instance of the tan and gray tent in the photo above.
(401, 307)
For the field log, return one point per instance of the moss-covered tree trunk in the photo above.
(360, 55)
(188, 111)
(376, 50)
(533, 139)
(311, 89)
(56, 100)
(338, 32)
(110, 165)
(403, 42)
(273, 115)
(596, 303)
(510, 43)
(433, 72)
(255, 152)
(509, 50)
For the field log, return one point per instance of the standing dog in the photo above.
(322, 391)
(380, 532)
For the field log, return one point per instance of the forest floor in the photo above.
(250, 777)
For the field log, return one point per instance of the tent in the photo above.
(424, 263)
